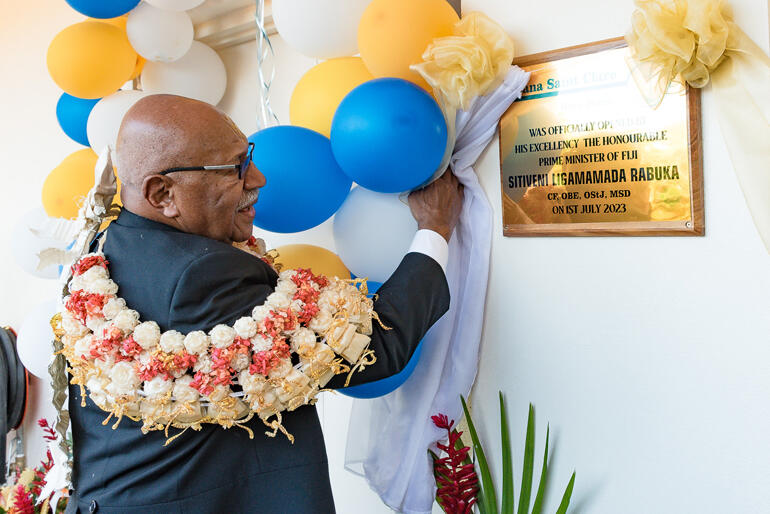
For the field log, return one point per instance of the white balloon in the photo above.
(106, 116)
(159, 35)
(320, 28)
(175, 5)
(200, 74)
(34, 340)
(25, 245)
(372, 233)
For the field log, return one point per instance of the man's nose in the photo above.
(254, 178)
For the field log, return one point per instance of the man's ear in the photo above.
(157, 191)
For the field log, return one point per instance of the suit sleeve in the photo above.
(219, 287)
(410, 302)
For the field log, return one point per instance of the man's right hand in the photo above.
(437, 206)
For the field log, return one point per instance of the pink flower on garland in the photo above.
(87, 263)
(109, 344)
(202, 383)
(184, 360)
(264, 362)
(82, 304)
(130, 348)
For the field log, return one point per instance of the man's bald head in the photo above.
(166, 131)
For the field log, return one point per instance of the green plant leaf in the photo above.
(529, 462)
(538, 507)
(567, 495)
(505, 436)
(486, 494)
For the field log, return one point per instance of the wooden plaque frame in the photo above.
(695, 227)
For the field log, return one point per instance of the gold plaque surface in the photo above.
(582, 153)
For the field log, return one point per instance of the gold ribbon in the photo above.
(699, 42)
(470, 63)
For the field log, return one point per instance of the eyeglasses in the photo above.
(241, 167)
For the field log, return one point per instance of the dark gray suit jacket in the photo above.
(187, 282)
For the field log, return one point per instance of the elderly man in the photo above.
(170, 251)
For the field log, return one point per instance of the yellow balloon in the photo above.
(320, 260)
(91, 59)
(67, 185)
(393, 34)
(320, 91)
(120, 22)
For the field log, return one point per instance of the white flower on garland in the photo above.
(157, 387)
(222, 336)
(203, 364)
(321, 322)
(279, 300)
(260, 343)
(182, 391)
(113, 305)
(260, 312)
(303, 341)
(103, 286)
(70, 325)
(126, 320)
(245, 327)
(240, 362)
(82, 347)
(87, 280)
(196, 343)
(123, 379)
(147, 335)
(172, 342)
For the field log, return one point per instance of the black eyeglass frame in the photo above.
(241, 167)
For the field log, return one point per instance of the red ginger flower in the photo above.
(457, 482)
(87, 263)
(22, 502)
(49, 432)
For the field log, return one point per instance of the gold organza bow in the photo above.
(700, 42)
(469, 63)
(671, 37)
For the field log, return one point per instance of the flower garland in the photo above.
(169, 379)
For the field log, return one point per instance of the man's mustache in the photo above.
(248, 198)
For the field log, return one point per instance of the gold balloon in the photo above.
(120, 22)
(91, 59)
(320, 260)
(68, 184)
(320, 91)
(393, 34)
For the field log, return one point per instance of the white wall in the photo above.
(31, 145)
(649, 356)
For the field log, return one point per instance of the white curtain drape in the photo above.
(389, 436)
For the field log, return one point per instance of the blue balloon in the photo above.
(386, 385)
(103, 8)
(305, 185)
(72, 113)
(389, 135)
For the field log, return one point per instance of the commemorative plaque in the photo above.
(582, 154)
